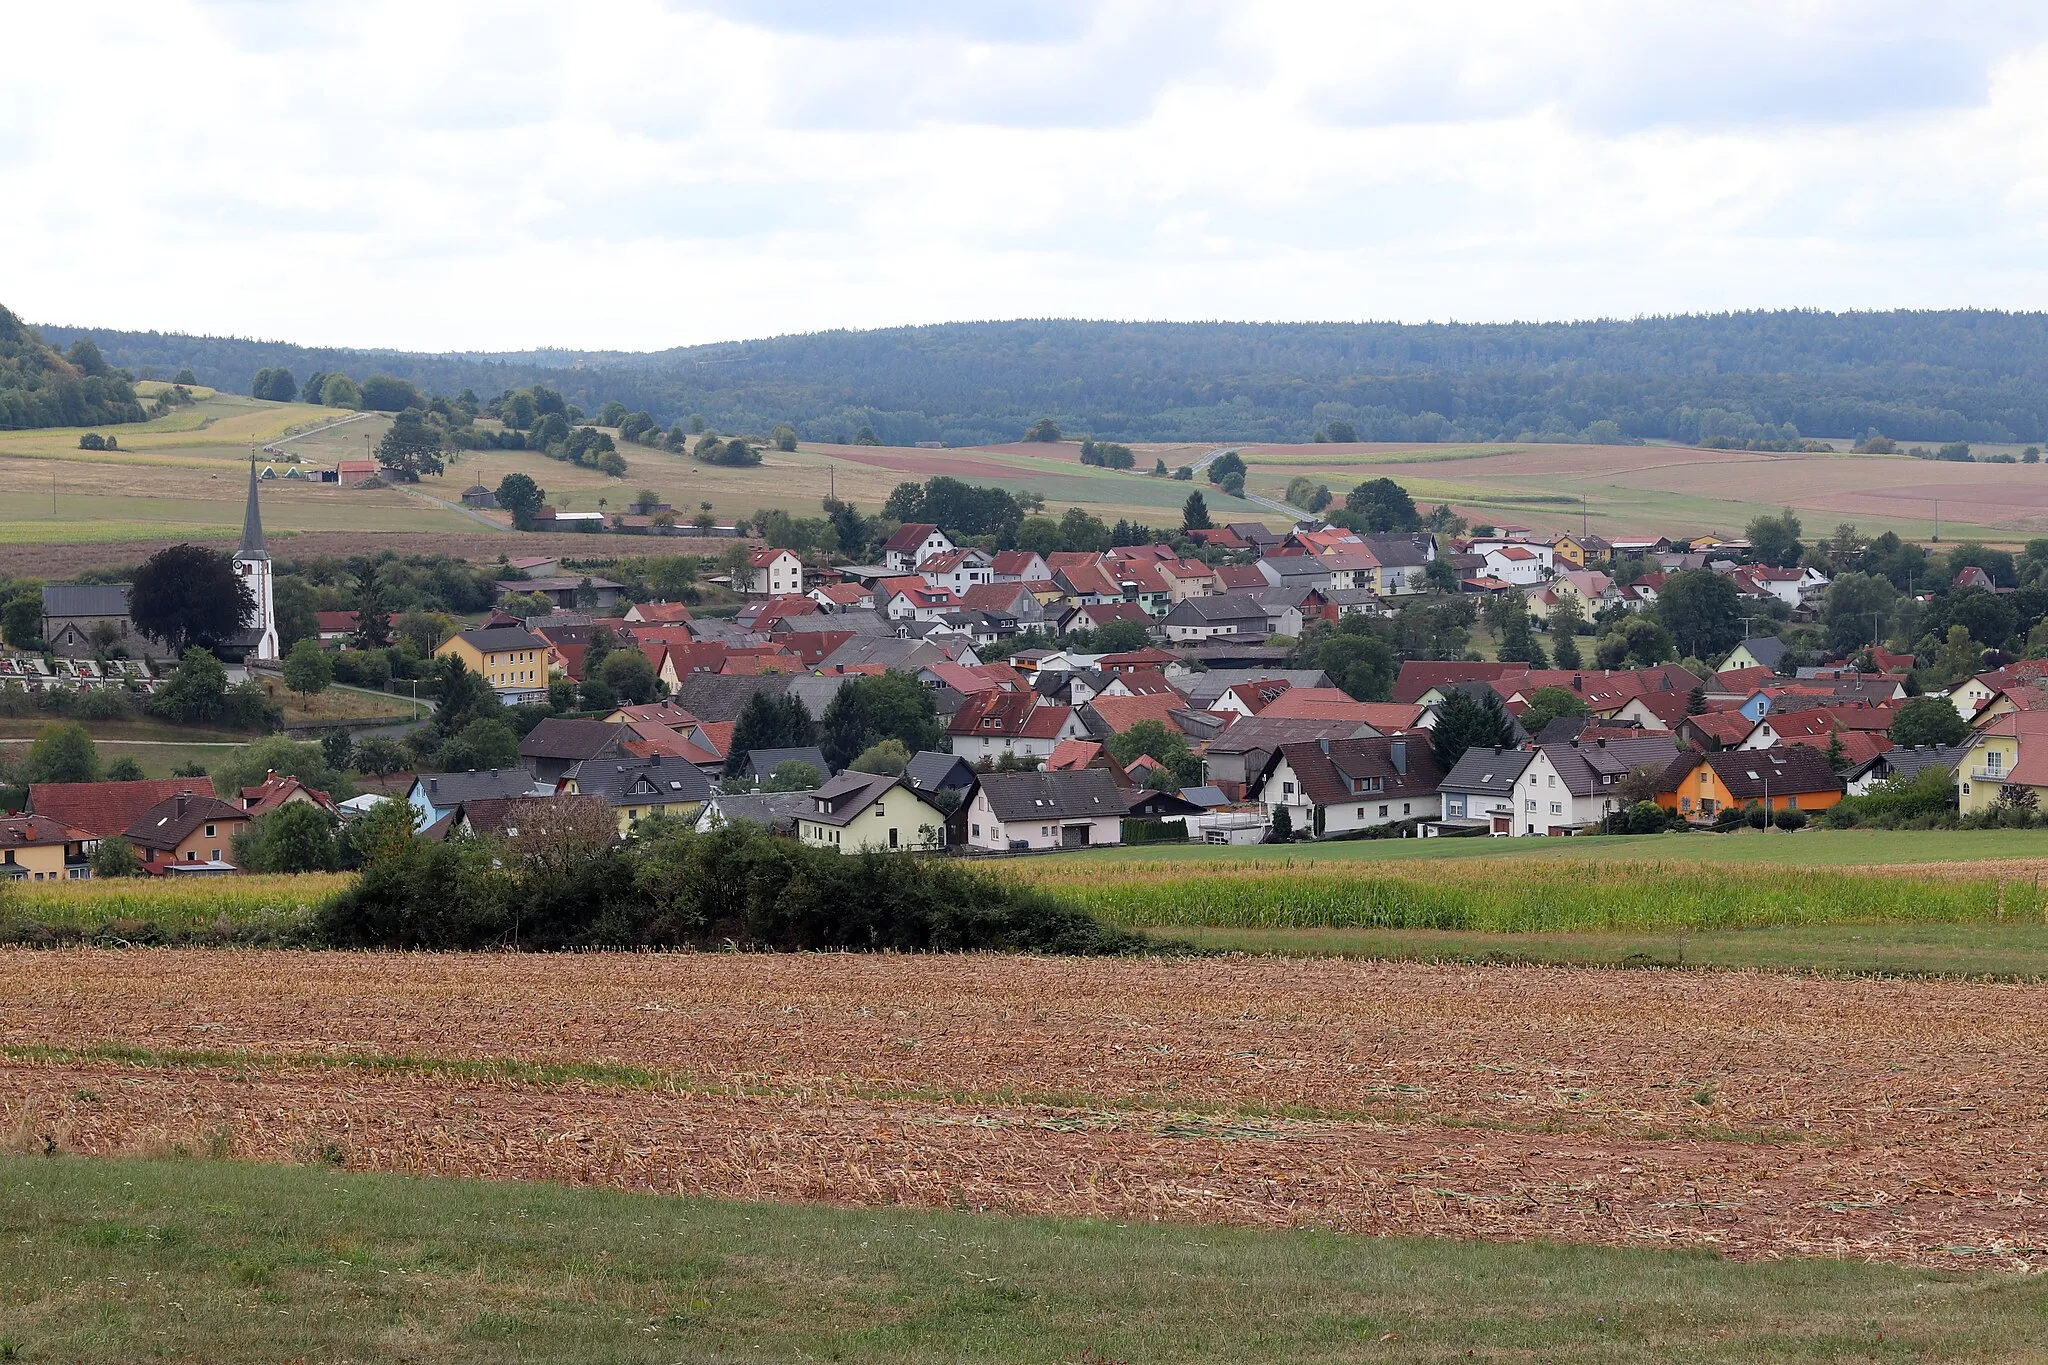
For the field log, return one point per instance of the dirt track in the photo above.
(1764, 1115)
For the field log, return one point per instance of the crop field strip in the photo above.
(1755, 1114)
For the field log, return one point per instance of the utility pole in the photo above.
(1937, 521)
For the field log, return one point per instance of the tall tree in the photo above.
(768, 722)
(1775, 540)
(308, 669)
(874, 708)
(1194, 513)
(522, 497)
(61, 753)
(186, 594)
(1465, 721)
(1702, 611)
(373, 613)
(1380, 505)
(411, 448)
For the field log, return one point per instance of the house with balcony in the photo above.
(2006, 751)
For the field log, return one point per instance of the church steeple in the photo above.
(252, 546)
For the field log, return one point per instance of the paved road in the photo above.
(1291, 513)
(315, 431)
(469, 512)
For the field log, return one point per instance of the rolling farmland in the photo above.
(1762, 1116)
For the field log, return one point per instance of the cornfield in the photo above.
(171, 906)
(1527, 897)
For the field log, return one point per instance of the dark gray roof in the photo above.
(932, 771)
(1485, 769)
(1400, 550)
(502, 637)
(847, 795)
(252, 546)
(449, 789)
(718, 697)
(1205, 797)
(1587, 768)
(641, 782)
(1255, 734)
(1767, 650)
(761, 763)
(1910, 762)
(777, 811)
(1297, 568)
(859, 622)
(85, 599)
(1075, 793)
(574, 740)
(1239, 607)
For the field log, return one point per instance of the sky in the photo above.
(637, 174)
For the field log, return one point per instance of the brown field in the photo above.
(1760, 1115)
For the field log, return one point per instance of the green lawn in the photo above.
(1998, 951)
(201, 1260)
(1812, 848)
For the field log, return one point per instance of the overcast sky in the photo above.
(438, 174)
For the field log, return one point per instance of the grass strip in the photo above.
(123, 1260)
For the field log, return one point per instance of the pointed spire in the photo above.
(252, 546)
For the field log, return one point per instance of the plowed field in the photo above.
(1761, 1115)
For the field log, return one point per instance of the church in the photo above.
(252, 563)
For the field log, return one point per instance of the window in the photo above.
(1531, 806)
(214, 854)
(1287, 789)
(1383, 812)
(1361, 812)
(1557, 808)
(1406, 807)
(209, 831)
(976, 829)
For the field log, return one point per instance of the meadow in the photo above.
(188, 1258)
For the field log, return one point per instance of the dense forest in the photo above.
(40, 388)
(1755, 377)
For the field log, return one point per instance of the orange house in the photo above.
(1794, 777)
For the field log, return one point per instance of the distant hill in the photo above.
(39, 388)
(1915, 376)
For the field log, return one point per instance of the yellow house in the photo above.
(512, 659)
(857, 812)
(2008, 751)
(639, 787)
(1569, 550)
(35, 848)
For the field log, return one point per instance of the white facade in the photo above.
(1521, 565)
(1544, 804)
(975, 748)
(973, 569)
(1363, 810)
(781, 576)
(985, 831)
(904, 561)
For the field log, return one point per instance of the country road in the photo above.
(1291, 513)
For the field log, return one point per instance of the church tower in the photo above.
(252, 562)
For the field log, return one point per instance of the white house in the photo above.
(1568, 787)
(1521, 565)
(991, 724)
(957, 570)
(918, 604)
(1075, 808)
(1337, 786)
(775, 573)
(914, 543)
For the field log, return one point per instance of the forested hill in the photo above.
(1922, 376)
(39, 388)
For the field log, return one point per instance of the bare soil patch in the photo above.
(1760, 1115)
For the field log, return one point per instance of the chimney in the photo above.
(181, 804)
(1578, 682)
(1602, 741)
(1397, 752)
(654, 761)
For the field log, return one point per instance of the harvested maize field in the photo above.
(1761, 1115)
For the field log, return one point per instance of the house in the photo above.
(1403, 558)
(1766, 651)
(1020, 566)
(514, 819)
(84, 619)
(913, 543)
(658, 614)
(1343, 786)
(436, 795)
(1200, 618)
(2006, 751)
(957, 570)
(478, 498)
(274, 792)
(993, 723)
(639, 787)
(196, 831)
(1570, 787)
(776, 812)
(1015, 812)
(910, 600)
(35, 848)
(1185, 578)
(556, 745)
(102, 810)
(1901, 764)
(1335, 704)
(1106, 715)
(762, 763)
(931, 773)
(1075, 754)
(599, 595)
(1520, 566)
(773, 573)
(1251, 697)
(1480, 788)
(512, 659)
(1796, 777)
(1296, 571)
(860, 812)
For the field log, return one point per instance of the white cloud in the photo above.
(642, 174)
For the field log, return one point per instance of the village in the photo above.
(1089, 699)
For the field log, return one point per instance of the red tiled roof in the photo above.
(908, 536)
(663, 611)
(1331, 703)
(1121, 713)
(105, 809)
